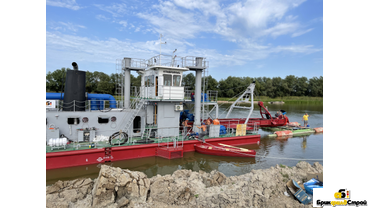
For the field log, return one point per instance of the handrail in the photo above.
(88, 105)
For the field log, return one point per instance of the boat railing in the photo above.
(134, 63)
(88, 105)
(187, 94)
(212, 95)
(231, 124)
(164, 60)
(193, 61)
(171, 141)
(150, 131)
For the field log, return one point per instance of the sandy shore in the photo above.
(116, 187)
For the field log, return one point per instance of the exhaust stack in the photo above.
(75, 90)
(75, 66)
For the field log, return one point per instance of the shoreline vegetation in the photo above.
(268, 100)
(288, 89)
(116, 187)
(281, 100)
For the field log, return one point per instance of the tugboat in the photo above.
(84, 128)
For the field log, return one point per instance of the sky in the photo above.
(254, 38)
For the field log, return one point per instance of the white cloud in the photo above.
(69, 4)
(116, 10)
(239, 22)
(281, 29)
(306, 49)
(101, 17)
(71, 26)
(262, 17)
(68, 47)
(65, 48)
(299, 33)
(244, 23)
(64, 26)
(317, 19)
(173, 22)
(123, 23)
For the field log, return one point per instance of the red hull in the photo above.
(223, 151)
(93, 156)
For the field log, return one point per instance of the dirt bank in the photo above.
(116, 187)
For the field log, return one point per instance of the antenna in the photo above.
(173, 57)
(160, 49)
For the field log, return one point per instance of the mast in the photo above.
(160, 49)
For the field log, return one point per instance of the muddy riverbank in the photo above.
(116, 187)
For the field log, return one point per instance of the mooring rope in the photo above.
(282, 158)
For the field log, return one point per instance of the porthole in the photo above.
(85, 119)
(113, 119)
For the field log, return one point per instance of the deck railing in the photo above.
(88, 105)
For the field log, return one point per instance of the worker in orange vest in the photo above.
(216, 122)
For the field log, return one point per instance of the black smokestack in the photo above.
(75, 90)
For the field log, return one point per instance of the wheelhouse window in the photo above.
(176, 80)
(149, 81)
(167, 80)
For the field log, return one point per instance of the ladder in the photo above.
(134, 113)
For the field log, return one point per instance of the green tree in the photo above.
(315, 87)
(189, 81)
(301, 87)
(269, 88)
(90, 82)
(277, 84)
(55, 80)
(103, 83)
(212, 83)
(289, 85)
(136, 81)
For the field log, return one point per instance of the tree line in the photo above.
(99, 82)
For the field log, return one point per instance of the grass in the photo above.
(285, 177)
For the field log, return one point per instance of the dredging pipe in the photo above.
(97, 97)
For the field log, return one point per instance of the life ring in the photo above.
(51, 126)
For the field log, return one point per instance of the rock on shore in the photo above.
(117, 187)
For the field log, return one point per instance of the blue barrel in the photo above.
(222, 130)
(205, 97)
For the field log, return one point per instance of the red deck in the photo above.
(93, 156)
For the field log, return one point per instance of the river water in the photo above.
(270, 152)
